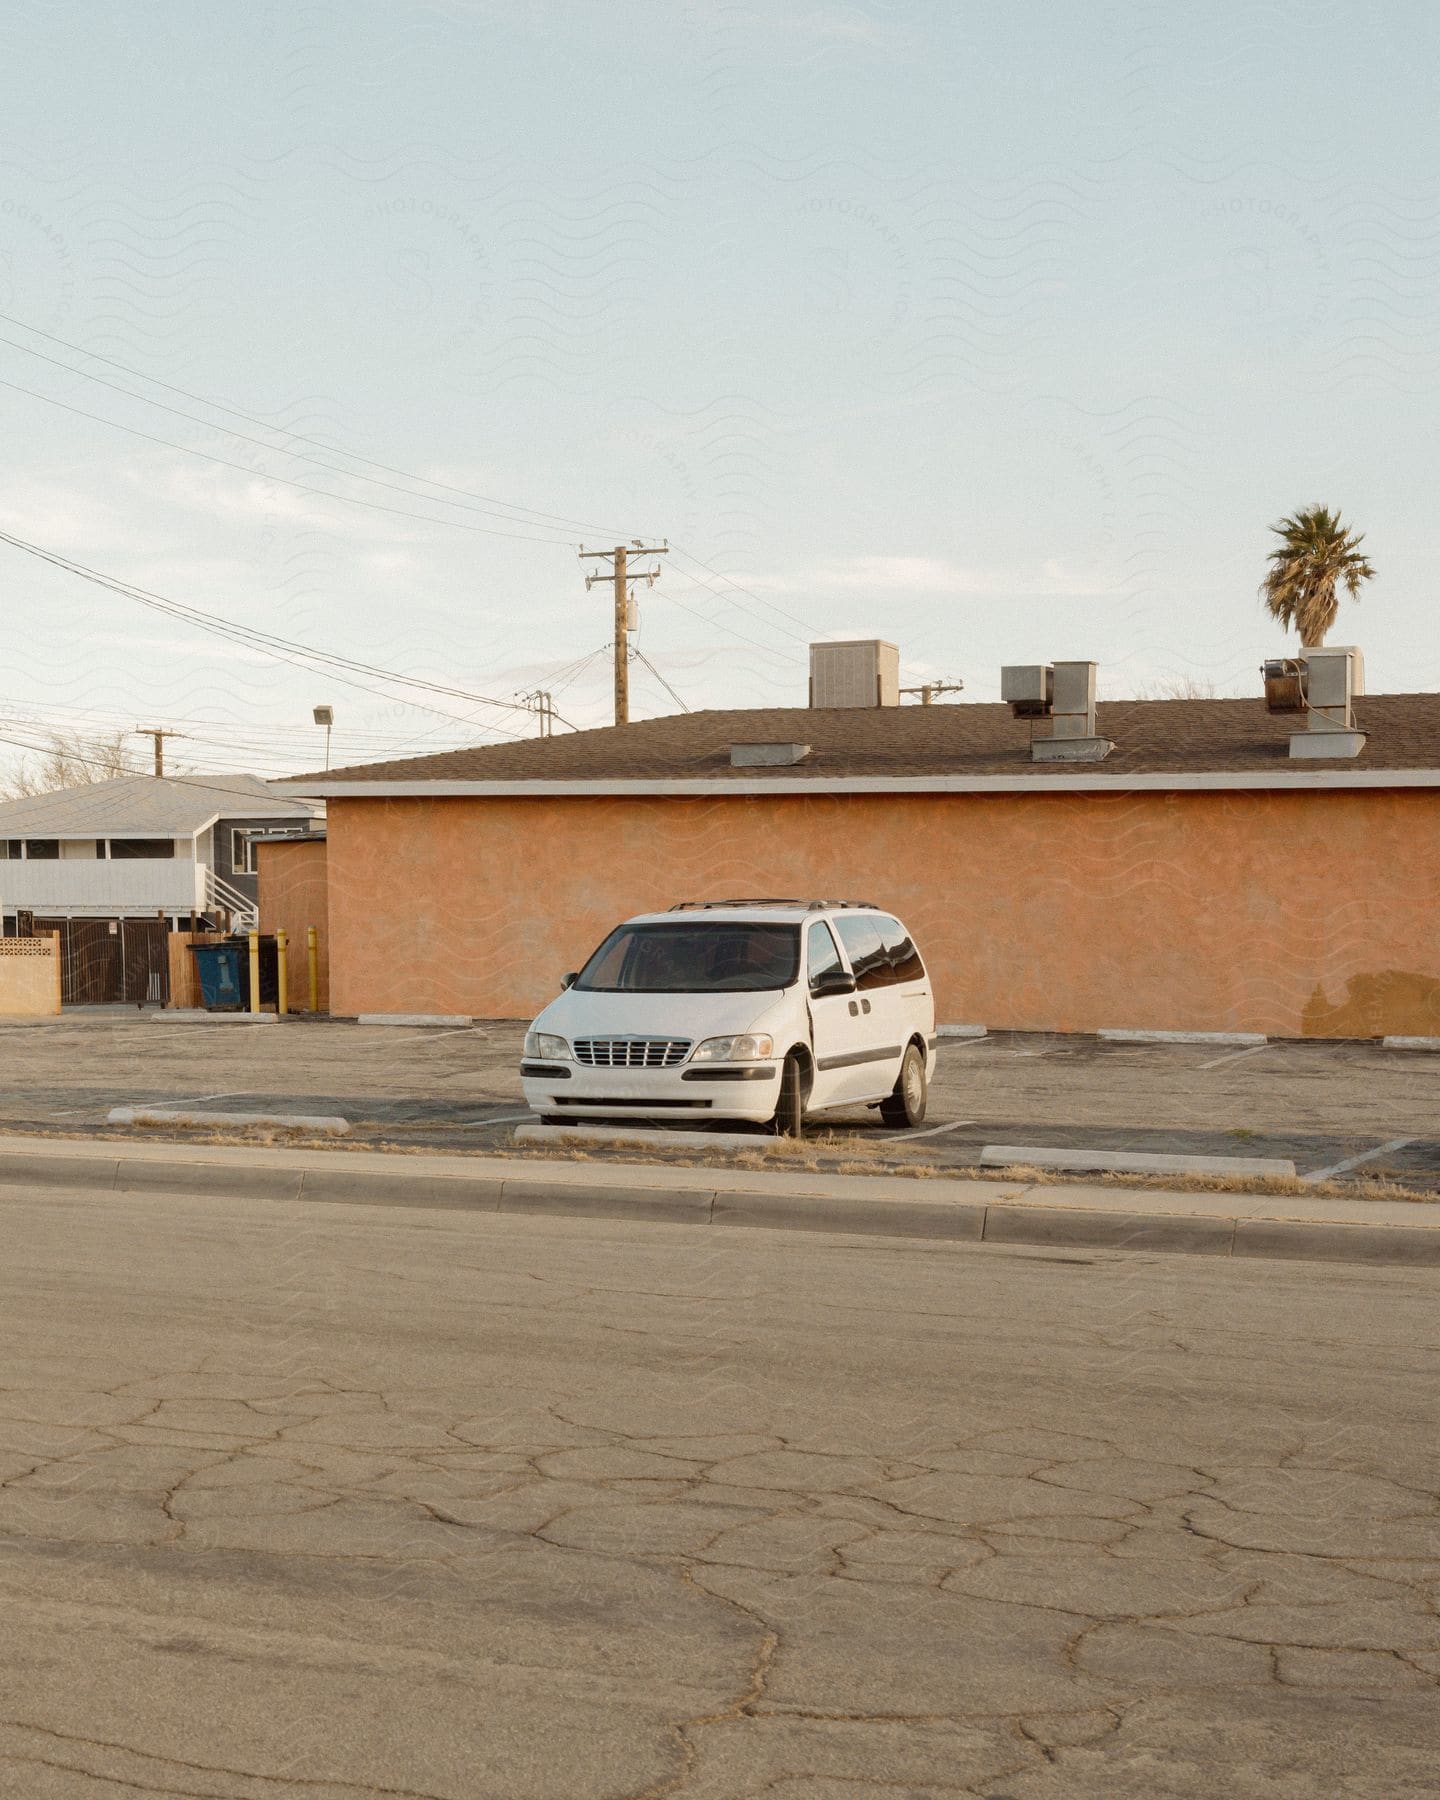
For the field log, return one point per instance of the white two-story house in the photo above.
(116, 866)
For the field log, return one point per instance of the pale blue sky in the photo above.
(1000, 332)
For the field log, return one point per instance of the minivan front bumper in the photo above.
(695, 1090)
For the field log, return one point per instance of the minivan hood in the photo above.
(578, 1014)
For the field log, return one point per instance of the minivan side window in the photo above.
(820, 953)
(866, 950)
(905, 963)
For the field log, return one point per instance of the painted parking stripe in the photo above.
(1354, 1162)
(931, 1131)
(165, 1100)
(1235, 1056)
(504, 1119)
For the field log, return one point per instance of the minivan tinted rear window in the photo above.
(694, 957)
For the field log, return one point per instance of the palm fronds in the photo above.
(1315, 557)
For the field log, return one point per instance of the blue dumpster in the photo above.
(224, 974)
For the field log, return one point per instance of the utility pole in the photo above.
(930, 689)
(619, 559)
(542, 703)
(155, 732)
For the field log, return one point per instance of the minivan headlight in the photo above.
(734, 1049)
(543, 1045)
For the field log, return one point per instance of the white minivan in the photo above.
(765, 1010)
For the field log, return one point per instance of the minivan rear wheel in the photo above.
(789, 1119)
(906, 1105)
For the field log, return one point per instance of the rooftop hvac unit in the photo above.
(1322, 686)
(1064, 694)
(860, 672)
(1028, 690)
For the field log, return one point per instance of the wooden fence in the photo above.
(184, 982)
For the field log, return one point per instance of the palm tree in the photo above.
(1316, 553)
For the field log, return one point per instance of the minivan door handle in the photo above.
(865, 1006)
(854, 1009)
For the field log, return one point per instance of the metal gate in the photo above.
(111, 962)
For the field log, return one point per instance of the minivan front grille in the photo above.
(631, 1053)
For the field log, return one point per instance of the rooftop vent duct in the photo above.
(767, 756)
(1063, 694)
(1322, 685)
(861, 672)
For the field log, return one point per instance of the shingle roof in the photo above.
(147, 806)
(1150, 737)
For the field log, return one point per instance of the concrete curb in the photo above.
(1411, 1043)
(1111, 1035)
(1232, 1225)
(329, 1123)
(459, 1020)
(197, 1015)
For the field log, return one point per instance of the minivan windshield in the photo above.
(694, 956)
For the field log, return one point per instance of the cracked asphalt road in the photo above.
(336, 1502)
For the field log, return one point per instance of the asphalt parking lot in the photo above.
(1320, 1104)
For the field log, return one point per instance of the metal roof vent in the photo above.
(862, 672)
(767, 756)
(1063, 694)
(1322, 685)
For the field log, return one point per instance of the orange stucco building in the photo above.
(1195, 880)
(294, 895)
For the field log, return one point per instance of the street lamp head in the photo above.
(325, 715)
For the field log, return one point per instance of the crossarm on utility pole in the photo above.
(159, 735)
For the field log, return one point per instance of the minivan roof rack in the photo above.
(809, 905)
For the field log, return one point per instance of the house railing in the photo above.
(221, 897)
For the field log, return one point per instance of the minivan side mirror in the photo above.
(570, 979)
(832, 981)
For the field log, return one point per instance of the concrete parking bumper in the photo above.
(959, 1211)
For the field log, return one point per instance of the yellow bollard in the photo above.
(254, 971)
(312, 948)
(282, 973)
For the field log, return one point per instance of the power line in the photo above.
(261, 640)
(95, 762)
(466, 497)
(729, 630)
(245, 438)
(739, 587)
(642, 657)
(303, 487)
(299, 436)
(276, 647)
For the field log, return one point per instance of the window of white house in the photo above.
(141, 849)
(243, 845)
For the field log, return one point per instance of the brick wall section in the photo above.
(293, 894)
(29, 977)
(1295, 914)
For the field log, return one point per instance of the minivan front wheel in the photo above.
(789, 1119)
(906, 1105)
